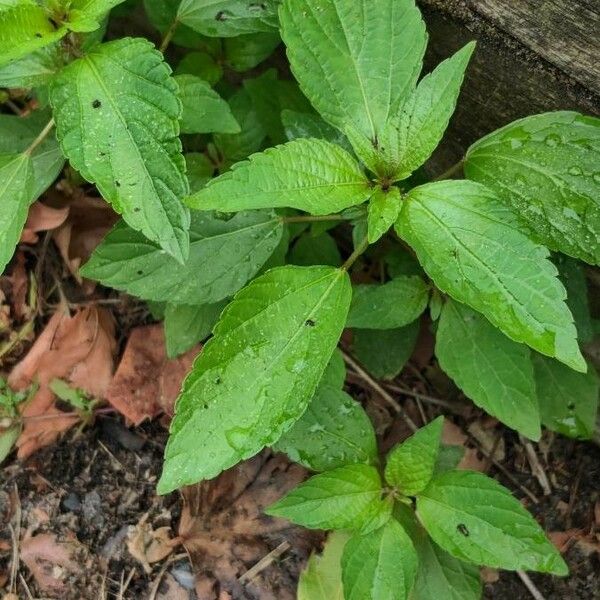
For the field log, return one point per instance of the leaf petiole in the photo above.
(360, 248)
(40, 138)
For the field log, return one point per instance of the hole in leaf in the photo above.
(571, 406)
(309, 323)
(462, 528)
(96, 104)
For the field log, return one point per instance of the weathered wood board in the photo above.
(532, 56)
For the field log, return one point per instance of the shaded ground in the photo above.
(97, 486)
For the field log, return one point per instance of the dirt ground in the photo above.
(94, 493)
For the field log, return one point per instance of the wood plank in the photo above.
(564, 32)
(505, 79)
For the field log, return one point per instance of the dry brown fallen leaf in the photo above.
(51, 561)
(89, 220)
(19, 284)
(42, 218)
(149, 545)
(453, 435)
(78, 349)
(146, 382)
(225, 532)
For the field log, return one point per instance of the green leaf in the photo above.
(410, 464)
(322, 577)
(228, 18)
(448, 458)
(568, 400)
(201, 65)
(117, 118)
(399, 261)
(88, 12)
(546, 167)
(18, 133)
(25, 27)
(344, 498)
(426, 113)
(199, 170)
(308, 174)
(335, 373)
(239, 146)
(474, 250)
(186, 325)
(355, 61)
(315, 250)
(384, 208)
(309, 125)
(439, 575)
(264, 93)
(34, 69)
(388, 306)
(381, 565)
(477, 520)
(333, 432)
(9, 437)
(255, 377)
(16, 183)
(244, 52)
(399, 344)
(224, 255)
(204, 111)
(572, 274)
(495, 372)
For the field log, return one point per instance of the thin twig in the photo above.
(373, 384)
(264, 562)
(125, 585)
(417, 395)
(161, 574)
(530, 585)
(506, 473)
(536, 467)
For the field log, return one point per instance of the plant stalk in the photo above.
(453, 170)
(312, 218)
(364, 244)
(169, 35)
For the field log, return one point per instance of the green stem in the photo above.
(451, 171)
(41, 137)
(312, 218)
(364, 244)
(169, 35)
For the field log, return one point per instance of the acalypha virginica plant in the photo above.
(249, 254)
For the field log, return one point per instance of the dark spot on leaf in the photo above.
(140, 272)
(462, 528)
(117, 183)
(309, 323)
(220, 16)
(137, 209)
(205, 406)
(38, 35)
(96, 104)
(217, 380)
(571, 406)
(101, 153)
